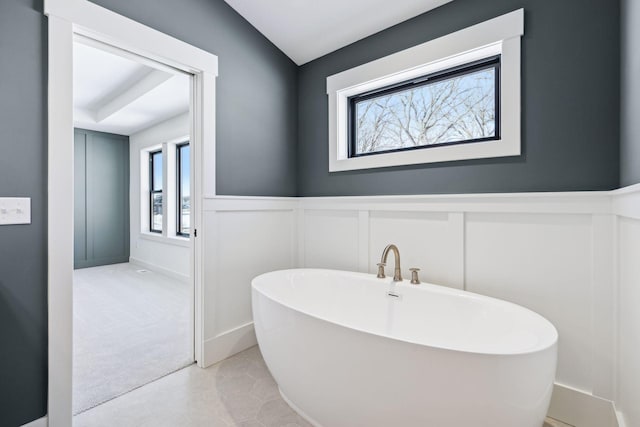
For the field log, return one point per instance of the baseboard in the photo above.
(229, 343)
(40, 422)
(99, 262)
(626, 201)
(581, 409)
(159, 269)
(620, 419)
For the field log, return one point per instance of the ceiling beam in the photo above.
(122, 97)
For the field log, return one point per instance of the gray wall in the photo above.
(570, 92)
(23, 248)
(101, 198)
(630, 94)
(256, 92)
(256, 133)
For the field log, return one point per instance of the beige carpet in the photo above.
(130, 328)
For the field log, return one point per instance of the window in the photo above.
(165, 189)
(184, 194)
(155, 191)
(455, 106)
(453, 98)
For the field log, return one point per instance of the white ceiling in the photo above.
(118, 95)
(308, 29)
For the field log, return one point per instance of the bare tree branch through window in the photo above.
(449, 110)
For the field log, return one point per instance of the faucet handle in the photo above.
(381, 266)
(414, 276)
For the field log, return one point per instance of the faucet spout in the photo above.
(397, 276)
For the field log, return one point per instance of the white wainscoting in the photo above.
(540, 261)
(627, 205)
(542, 251)
(570, 256)
(244, 237)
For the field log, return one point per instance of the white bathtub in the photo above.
(344, 353)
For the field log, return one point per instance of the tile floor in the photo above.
(236, 392)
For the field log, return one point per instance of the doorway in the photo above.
(84, 18)
(132, 289)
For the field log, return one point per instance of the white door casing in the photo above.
(68, 18)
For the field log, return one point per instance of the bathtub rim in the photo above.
(553, 343)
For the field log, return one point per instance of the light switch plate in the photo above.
(15, 210)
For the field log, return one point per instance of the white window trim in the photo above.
(500, 35)
(169, 193)
(172, 185)
(168, 240)
(145, 208)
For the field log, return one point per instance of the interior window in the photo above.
(155, 191)
(184, 193)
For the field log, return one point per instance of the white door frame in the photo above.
(67, 18)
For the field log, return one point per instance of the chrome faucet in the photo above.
(397, 276)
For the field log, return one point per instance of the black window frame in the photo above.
(152, 191)
(179, 188)
(425, 80)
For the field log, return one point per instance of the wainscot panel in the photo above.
(244, 237)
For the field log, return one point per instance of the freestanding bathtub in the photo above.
(346, 353)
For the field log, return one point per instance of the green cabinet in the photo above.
(101, 198)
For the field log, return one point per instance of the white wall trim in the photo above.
(229, 343)
(588, 202)
(40, 422)
(363, 240)
(627, 207)
(166, 240)
(626, 201)
(633, 188)
(68, 18)
(98, 23)
(603, 300)
(159, 269)
(578, 202)
(581, 409)
(240, 203)
(620, 419)
(60, 222)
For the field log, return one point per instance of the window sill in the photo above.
(176, 241)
